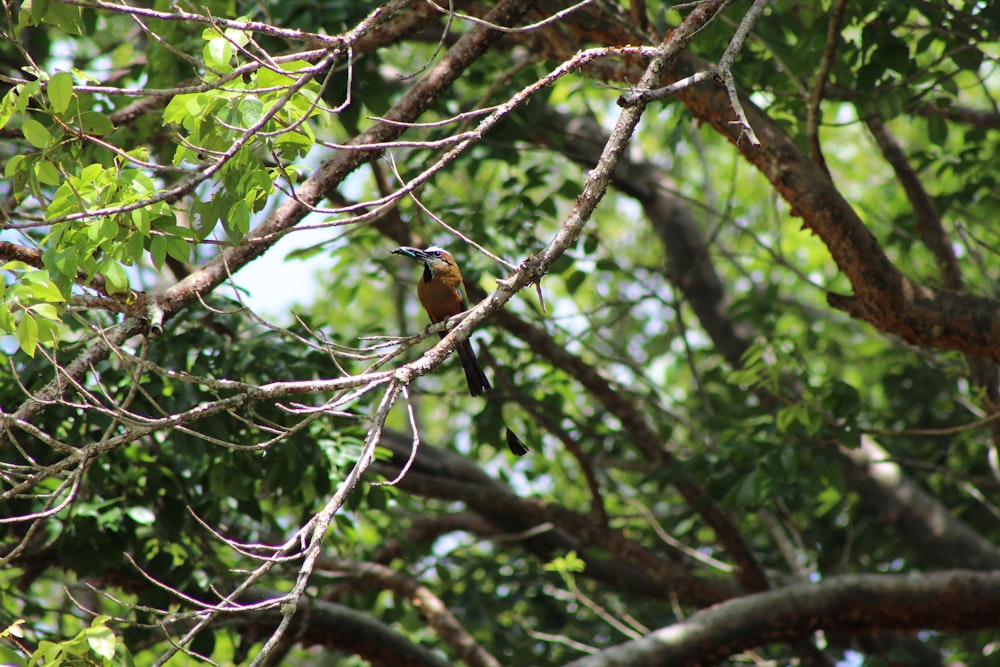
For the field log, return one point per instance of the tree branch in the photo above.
(954, 600)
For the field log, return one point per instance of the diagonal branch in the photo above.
(883, 296)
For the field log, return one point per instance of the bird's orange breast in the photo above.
(440, 298)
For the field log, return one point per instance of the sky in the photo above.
(273, 284)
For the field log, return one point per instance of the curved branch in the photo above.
(883, 296)
(814, 113)
(954, 600)
(342, 628)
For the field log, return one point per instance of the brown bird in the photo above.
(442, 294)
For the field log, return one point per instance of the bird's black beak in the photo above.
(413, 253)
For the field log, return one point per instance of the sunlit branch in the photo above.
(321, 521)
(723, 70)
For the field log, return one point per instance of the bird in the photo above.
(442, 294)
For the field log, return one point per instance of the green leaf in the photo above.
(135, 246)
(64, 202)
(60, 90)
(37, 9)
(894, 53)
(27, 334)
(7, 323)
(969, 58)
(178, 249)
(103, 229)
(41, 287)
(141, 220)
(937, 129)
(218, 54)
(8, 105)
(93, 122)
(293, 144)
(36, 133)
(890, 103)
(158, 250)
(238, 220)
(67, 17)
(755, 489)
(574, 281)
(842, 399)
(788, 416)
(10, 657)
(63, 261)
(141, 515)
(251, 109)
(12, 165)
(46, 310)
(238, 37)
(115, 277)
(47, 173)
(13, 630)
(101, 641)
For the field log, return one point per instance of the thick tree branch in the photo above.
(955, 600)
(342, 628)
(927, 221)
(883, 296)
(930, 528)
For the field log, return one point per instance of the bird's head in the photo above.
(433, 258)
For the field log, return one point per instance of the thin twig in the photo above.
(813, 113)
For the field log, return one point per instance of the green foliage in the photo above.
(37, 12)
(143, 152)
(30, 306)
(96, 645)
(106, 204)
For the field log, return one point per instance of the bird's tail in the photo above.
(478, 382)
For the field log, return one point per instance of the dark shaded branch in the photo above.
(919, 517)
(814, 113)
(689, 263)
(956, 600)
(646, 438)
(338, 627)
(978, 117)
(928, 222)
(428, 605)
(437, 473)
